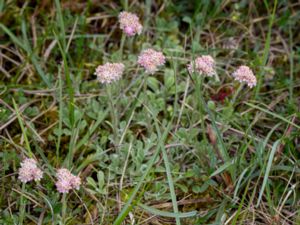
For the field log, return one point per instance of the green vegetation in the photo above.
(167, 148)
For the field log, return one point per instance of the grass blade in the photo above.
(69, 83)
(29, 52)
(169, 176)
(60, 113)
(13, 37)
(271, 157)
(167, 214)
(272, 114)
(23, 129)
(267, 47)
(222, 168)
(241, 203)
(61, 24)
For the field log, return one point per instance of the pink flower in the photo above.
(109, 72)
(151, 60)
(29, 171)
(203, 65)
(245, 74)
(130, 23)
(66, 181)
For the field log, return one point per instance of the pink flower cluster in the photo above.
(66, 181)
(245, 74)
(130, 23)
(206, 65)
(29, 171)
(151, 60)
(203, 65)
(109, 72)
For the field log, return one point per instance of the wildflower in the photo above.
(66, 181)
(203, 65)
(130, 23)
(109, 72)
(245, 74)
(151, 59)
(29, 171)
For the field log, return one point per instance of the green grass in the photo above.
(168, 148)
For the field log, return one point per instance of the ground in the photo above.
(171, 147)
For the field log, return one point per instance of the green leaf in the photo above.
(183, 187)
(187, 19)
(101, 180)
(167, 214)
(153, 83)
(169, 78)
(91, 182)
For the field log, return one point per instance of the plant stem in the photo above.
(126, 5)
(64, 208)
(60, 97)
(222, 148)
(291, 57)
(122, 47)
(237, 93)
(146, 100)
(22, 205)
(148, 14)
(199, 95)
(113, 113)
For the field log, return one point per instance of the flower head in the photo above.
(66, 181)
(245, 74)
(204, 65)
(109, 72)
(130, 23)
(29, 171)
(151, 59)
